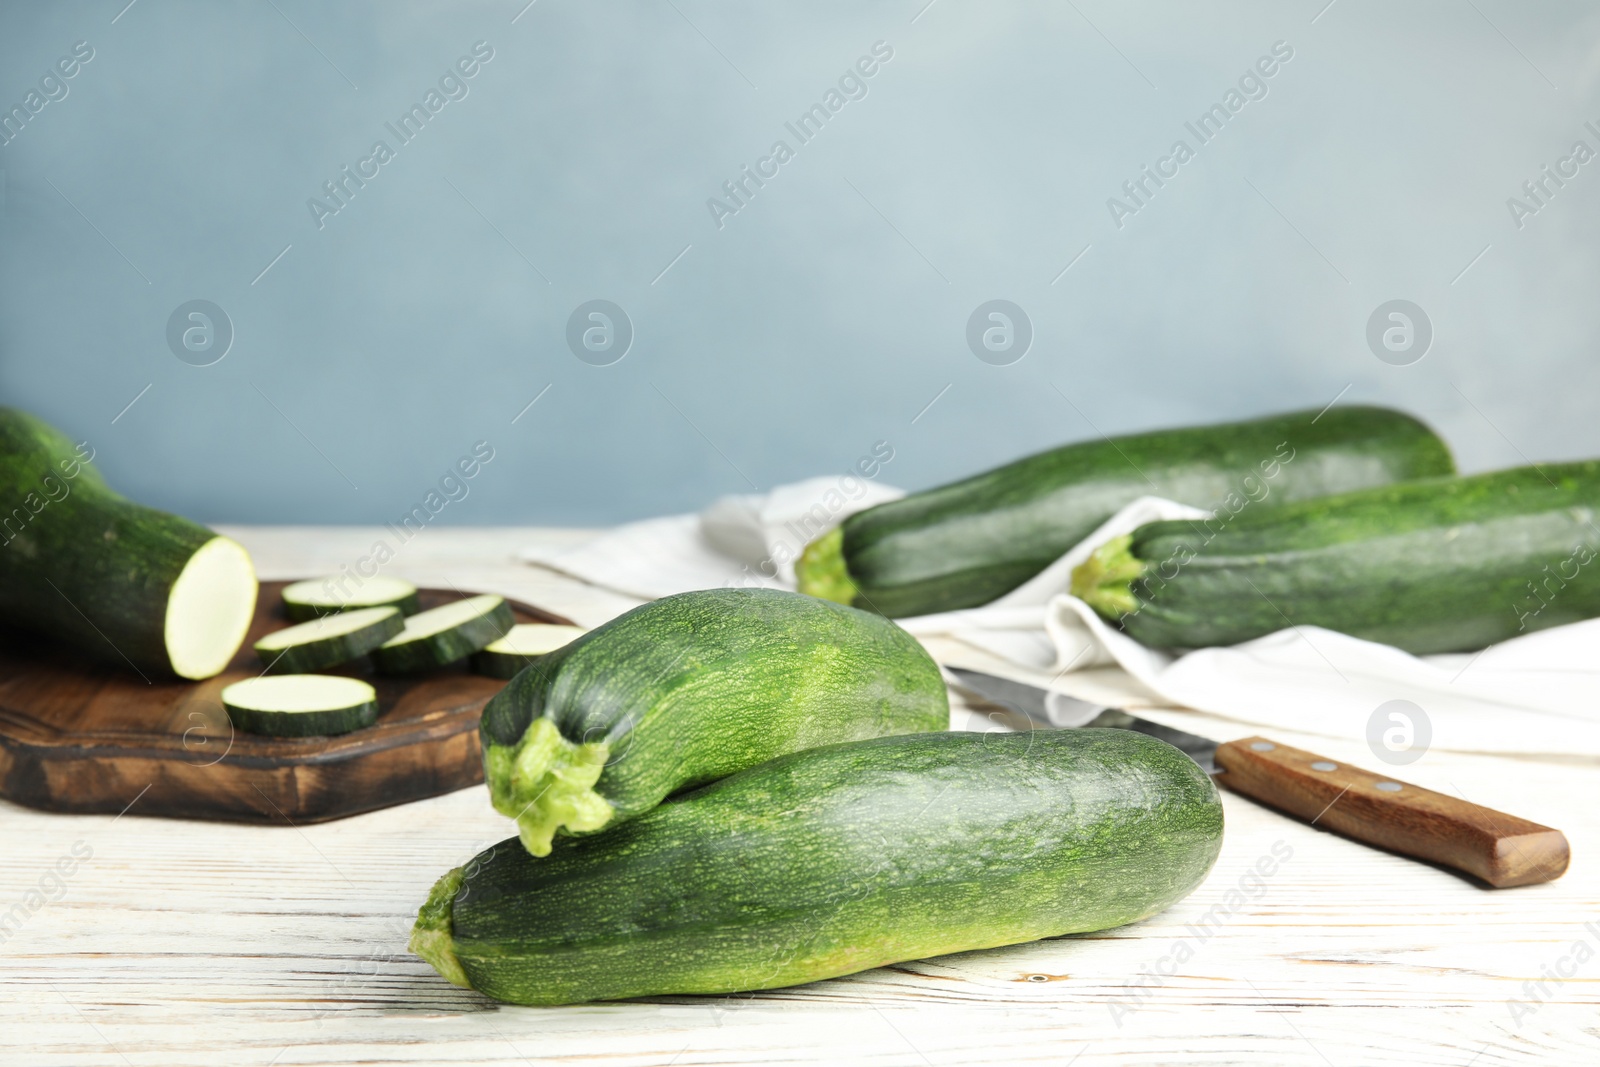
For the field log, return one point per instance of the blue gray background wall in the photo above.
(372, 350)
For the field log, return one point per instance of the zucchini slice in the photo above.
(328, 641)
(316, 597)
(521, 645)
(445, 634)
(301, 705)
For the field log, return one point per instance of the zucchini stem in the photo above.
(821, 570)
(433, 934)
(1105, 580)
(546, 783)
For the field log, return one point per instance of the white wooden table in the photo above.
(207, 943)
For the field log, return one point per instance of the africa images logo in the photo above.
(1252, 85)
(453, 85)
(852, 85)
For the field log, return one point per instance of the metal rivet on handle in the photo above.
(1324, 765)
(1388, 787)
(1262, 746)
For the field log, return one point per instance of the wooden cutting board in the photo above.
(80, 735)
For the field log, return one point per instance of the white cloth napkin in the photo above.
(750, 540)
(1535, 694)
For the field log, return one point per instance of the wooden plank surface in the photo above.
(166, 942)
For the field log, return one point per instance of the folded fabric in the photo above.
(749, 540)
(1536, 694)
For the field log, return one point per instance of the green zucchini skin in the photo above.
(304, 723)
(970, 542)
(1441, 565)
(331, 650)
(80, 563)
(324, 722)
(691, 688)
(446, 647)
(835, 860)
(505, 665)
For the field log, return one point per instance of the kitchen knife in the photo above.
(1376, 809)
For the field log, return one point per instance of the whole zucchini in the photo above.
(964, 544)
(122, 582)
(1441, 565)
(688, 689)
(834, 860)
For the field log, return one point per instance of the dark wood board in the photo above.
(82, 735)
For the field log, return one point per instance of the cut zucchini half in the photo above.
(445, 634)
(209, 609)
(301, 705)
(521, 645)
(328, 641)
(316, 597)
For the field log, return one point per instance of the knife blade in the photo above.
(1501, 850)
(1047, 707)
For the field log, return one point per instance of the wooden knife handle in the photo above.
(1501, 849)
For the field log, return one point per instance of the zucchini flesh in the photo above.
(1441, 565)
(521, 645)
(688, 689)
(209, 609)
(328, 641)
(301, 705)
(965, 544)
(315, 597)
(125, 583)
(444, 634)
(834, 860)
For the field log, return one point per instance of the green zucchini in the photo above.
(521, 645)
(967, 543)
(301, 705)
(444, 634)
(316, 597)
(1440, 565)
(834, 860)
(328, 641)
(688, 689)
(116, 580)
